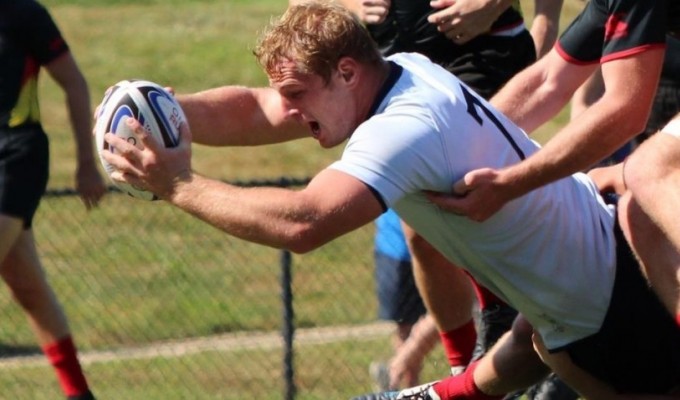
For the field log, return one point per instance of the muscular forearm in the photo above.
(592, 137)
(239, 116)
(529, 103)
(619, 115)
(297, 220)
(260, 215)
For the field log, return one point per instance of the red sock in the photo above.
(62, 355)
(484, 296)
(459, 343)
(462, 387)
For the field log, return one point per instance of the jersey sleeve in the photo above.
(41, 35)
(607, 30)
(395, 157)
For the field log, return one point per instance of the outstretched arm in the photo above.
(333, 203)
(240, 116)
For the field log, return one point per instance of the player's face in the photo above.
(327, 109)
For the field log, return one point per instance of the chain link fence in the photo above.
(163, 306)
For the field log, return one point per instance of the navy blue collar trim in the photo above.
(394, 75)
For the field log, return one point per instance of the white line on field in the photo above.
(225, 342)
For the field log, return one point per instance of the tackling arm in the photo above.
(540, 91)
(619, 115)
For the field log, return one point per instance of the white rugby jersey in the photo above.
(550, 253)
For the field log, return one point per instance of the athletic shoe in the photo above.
(494, 321)
(380, 374)
(551, 388)
(422, 392)
(85, 396)
(377, 396)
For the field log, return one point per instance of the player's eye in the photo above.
(294, 94)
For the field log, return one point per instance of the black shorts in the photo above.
(24, 170)
(637, 349)
(398, 298)
(666, 105)
(487, 62)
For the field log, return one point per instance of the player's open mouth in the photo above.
(314, 126)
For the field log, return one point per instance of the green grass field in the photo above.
(196, 281)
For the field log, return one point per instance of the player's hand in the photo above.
(464, 20)
(89, 184)
(478, 195)
(369, 11)
(149, 165)
(609, 179)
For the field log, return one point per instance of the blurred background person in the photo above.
(29, 40)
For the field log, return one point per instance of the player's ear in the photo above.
(347, 69)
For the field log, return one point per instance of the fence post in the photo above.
(288, 329)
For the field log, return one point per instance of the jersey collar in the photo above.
(394, 75)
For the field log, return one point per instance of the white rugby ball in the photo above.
(156, 110)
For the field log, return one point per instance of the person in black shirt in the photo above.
(29, 40)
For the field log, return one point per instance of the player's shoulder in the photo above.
(22, 7)
(23, 13)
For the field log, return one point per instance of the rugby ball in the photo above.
(149, 103)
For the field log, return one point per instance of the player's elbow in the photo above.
(303, 238)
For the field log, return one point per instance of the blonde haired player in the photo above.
(556, 254)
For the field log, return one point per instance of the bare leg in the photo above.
(23, 273)
(650, 222)
(588, 386)
(511, 364)
(21, 269)
(407, 363)
(660, 259)
(446, 289)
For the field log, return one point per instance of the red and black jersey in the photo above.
(29, 38)
(611, 29)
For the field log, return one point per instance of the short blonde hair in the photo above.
(315, 35)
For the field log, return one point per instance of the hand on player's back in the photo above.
(477, 195)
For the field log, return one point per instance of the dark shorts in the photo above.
(398, 298)
(637, 349)
(487, 62)
(666, 105)
(24, 170)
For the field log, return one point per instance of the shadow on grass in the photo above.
(7, 351)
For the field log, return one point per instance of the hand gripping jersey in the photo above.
(550, 253)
